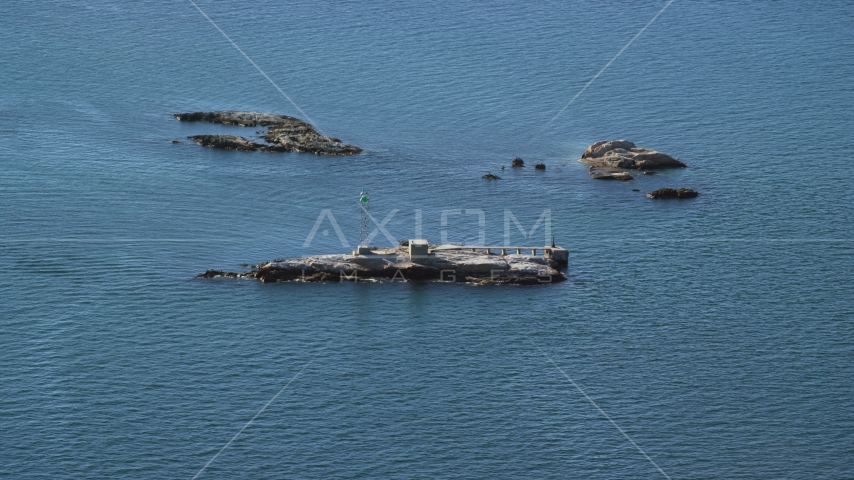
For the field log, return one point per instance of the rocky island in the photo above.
(284, 134)
(416, 260)
(624, 154)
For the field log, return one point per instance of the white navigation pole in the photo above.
(365, 216)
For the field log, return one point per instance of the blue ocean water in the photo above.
(716, 332)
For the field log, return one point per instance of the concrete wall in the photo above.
(418, 248)
(559, 255)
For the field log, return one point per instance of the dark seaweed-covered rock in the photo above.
(233, 117)
(409, 271)
(490, 176)
(217, 274)
(672, 193)
(284, 134)
(517, 163)
(225, 142)
(540, 166)
(624, 154)
(322, 277)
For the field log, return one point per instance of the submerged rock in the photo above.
(623, 176)
(624, 154)
(284, 134)
(672, 193)
(540, 166)
(392, 264)
(490, 176)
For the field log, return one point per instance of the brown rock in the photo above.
(624, 154)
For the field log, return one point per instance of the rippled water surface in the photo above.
(715, 332)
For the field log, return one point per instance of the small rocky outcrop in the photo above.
(672, 193)
(540, 166)
(517, 163)
(490, 176)
(622, 176)
(624, 154)
(284, 134)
